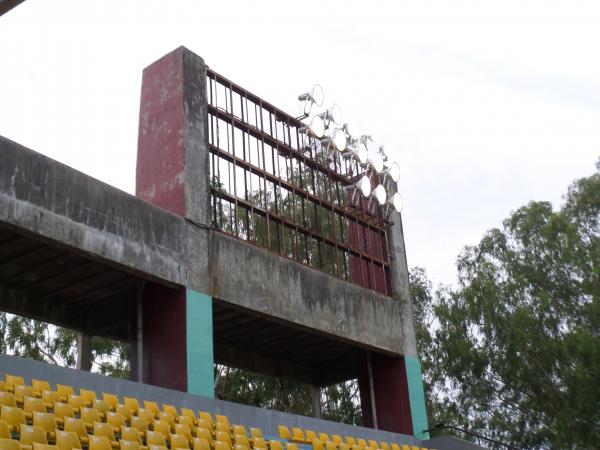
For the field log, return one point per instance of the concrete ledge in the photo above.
(257, 279)
(53, 201)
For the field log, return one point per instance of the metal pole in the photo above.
(315, 396)
(140, 333)
(372, 391)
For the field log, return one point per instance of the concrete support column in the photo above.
(315, 399)
(84, 352)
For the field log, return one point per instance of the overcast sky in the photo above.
(485, 105)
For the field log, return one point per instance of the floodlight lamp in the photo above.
(365, 138)
(365, 185)
(316, 127)
(360, 153)
(393, 171)
(375, 160)
(333, 114)
(380, 194)
(396, 202)
(382, 152)
(339, 140)
(315, 95)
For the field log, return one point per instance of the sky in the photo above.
(485, 105)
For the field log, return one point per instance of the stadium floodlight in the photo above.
(393, 172)
(375, 160)
(362, 185)
(380, 194)
(396, 202)
(313, 97)
(337, 139)
(333, 114)
(316, 127)
(360, 153)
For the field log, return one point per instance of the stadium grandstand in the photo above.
(231, 252)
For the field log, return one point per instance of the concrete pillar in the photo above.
(315, 399)
(173, 173)
(84, 352)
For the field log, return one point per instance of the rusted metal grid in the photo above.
(276, 187)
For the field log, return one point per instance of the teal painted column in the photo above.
(199, 342)
(416, 397)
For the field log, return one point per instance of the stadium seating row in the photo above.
(37, 417)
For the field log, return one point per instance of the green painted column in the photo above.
(416, 397)
(199, 337)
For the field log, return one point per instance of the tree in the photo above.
(514, 352)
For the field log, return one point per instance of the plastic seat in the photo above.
(337, 439)
(241, 447)
(133, 404)
(204, 424)
(13, 417)
(222, 419)
(373, 444)
(129, 445)
(29, 434)
(12, 381)
(31, 404)
(88, 396)
(101, 406)
(62, 410)
(361, 443)
(206, 416)
(9, 444)
(163, 427)
(104, 429)
(125, 411)
(111, 399)
(155, 438)
(200, 444)
(37, 446)
(324, 437)
(185, 420)
(8, 399)
(241, 439)
(47, 422)
(317, 444)
(343, 446)
(356, 447)
(183, 429)
(221, 445)
(39, 386)
(275, 445)
(414, 447)
(146, 414)
(2, 386)
(89, 416)
(78, 427)
(77, 402)
(22, 391)
(239, 429)
(204, 433)
(140, 423)
(166, 417)
(309, 435)
(152, 406)
(4, 430)
(259, 443)
(131, 434)
(67, 440)
(186, 412)
(171, 410)
(256, 432)
(115, 420)
(291, 446)
(179, 442)
(384, 446)
(330, 445)
(99, 443)
(395, 446)
(157, 447)
(222, 426)
(48, 398)
(223, 437)
(298, 435)
(64, 391)
(284, 432)
(350, 441)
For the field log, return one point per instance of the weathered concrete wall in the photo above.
(53, 201)
(257, 279)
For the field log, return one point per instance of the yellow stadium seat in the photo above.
(204, 424)
(179, 442)
(222, 426)
(350, 441)
(29, 434)
(31, 404)
(140, 423)
(275, 445)
(146, 414)
(125, 411)
(133, 404)
(188, 413)
(200, 444)
(67, 440)
(183, 429)
(291, 446)
(343, 446)
(8, 399)
(62, 410)
(48, 398)
(256, 432)
(204, 433)
(22, 391)
(4, 430)
(221, 445)
(223, 419)
(101, 406)
(13, 416)
(77, 402)
(395, 446)
(78, 427)
(162, 427)
(89, 416)
(241, 447)
(39, 386)
(167, 418)
(239, 429)
(151, 406)
(223, 437)
(258, 443)
(171, 410)
(284, 432)
(414, 447)
(185, 420)
(100, 443)
(337, 439)
(361, 443)
(157, 447)
(64, 391)
(405, 447)
(47, 422)
(317, 444)
(9, 444)
(12, 381)
(155, 438)
(206, 416)
(357, 447)
(373, 445)
(88, 396)
(298, 435)
(111, 399)
(37, 446)
(324, 437)
(2, 386)
(129, 445)
(384, 446)
(115, 420)
(330, 445)
(131, 434)
(241, 439)
(309, 436)
(104, 429)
